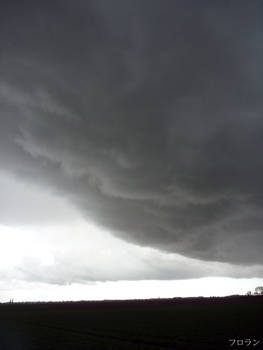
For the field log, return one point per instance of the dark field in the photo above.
(190, 323)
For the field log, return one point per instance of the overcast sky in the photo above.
(131, 146)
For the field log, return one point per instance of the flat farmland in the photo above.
(179, 324)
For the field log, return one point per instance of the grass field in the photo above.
(187, 323)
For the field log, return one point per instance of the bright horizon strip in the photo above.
(125, 290)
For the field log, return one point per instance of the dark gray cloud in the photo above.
(146, 115)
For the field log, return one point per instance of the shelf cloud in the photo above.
(145, 115)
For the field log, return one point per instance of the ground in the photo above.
(176, 324)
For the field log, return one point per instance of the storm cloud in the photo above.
(145, 115)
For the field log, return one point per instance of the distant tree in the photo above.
(258, 290)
